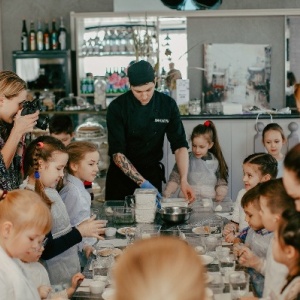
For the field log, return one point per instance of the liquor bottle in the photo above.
(46, 37)
(39, 37)
(62, 36)
(32, 37)
(54, 36)
(24, 37)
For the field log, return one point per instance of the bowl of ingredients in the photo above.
(175, 214)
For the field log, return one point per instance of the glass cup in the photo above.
(222, 251)
(212, 242)
(226, 264)
(216, 227)
(132, 234)
(95, 212)
(217, 283)
(100, 269)
(239, 284)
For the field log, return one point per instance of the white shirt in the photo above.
(238, 214)
(13, 283)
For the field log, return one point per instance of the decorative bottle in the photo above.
(62, 36)
(54, 36)
(46, 38)
(24, 37)
(39, 37)
(32, 37)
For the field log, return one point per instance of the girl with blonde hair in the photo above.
(45, 160)
(161, 268)
(24, 221)
(82, 166)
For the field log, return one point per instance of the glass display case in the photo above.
(44, 71)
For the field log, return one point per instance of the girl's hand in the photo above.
(92, 228)
(76, 281)
(25, 124)
(88, 250)
(44, 290)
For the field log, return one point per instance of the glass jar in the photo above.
(48, 99)
(100, 92)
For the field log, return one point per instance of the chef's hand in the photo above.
(188, 192)
(147, 185)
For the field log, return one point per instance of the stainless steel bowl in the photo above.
(175, 214)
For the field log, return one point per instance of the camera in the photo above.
(30, 107)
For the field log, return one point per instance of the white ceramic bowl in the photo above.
(97, 286)
(110, 231)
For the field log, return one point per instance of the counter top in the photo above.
(240, 116)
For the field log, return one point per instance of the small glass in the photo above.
(194, 107)
(212, 242)
(132, 234)
(239, 284)
(226, 264)
(217, 283)
(216, 227)
(95, 212)
(222, 251)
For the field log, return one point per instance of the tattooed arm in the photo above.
(128, 168)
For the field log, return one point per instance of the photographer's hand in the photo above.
(25, 124)
(22, 125)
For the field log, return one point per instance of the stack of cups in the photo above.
(145, 205)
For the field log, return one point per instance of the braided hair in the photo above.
(41, 148)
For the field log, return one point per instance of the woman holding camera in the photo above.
(13, 127)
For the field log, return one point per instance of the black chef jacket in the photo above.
(138, 132)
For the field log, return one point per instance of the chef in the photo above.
(137, 122)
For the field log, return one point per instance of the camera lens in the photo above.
(42, 122)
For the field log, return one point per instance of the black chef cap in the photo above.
(140, 73)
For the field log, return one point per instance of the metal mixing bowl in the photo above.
(175, 214)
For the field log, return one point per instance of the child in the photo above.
(24, 221)
(273, 200)
(291, 174)
(82, 166)
(208, 171)
(286, 250)
(273, 139)
(61, 127)
(45, 160)
(173, 258)
(256, 237)
(257, 167)
(39, 276)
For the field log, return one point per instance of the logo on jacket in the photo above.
(161, 120)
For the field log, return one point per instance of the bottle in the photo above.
(62, 36)
(24, 37)
(46, 38)
(39, 37)
(32, 37)
(54, 36)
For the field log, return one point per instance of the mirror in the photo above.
(292, 64)
(255, 26)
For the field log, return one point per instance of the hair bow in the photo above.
(207, 123)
